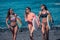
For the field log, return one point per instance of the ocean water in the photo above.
(19, 8)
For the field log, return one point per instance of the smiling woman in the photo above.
(19, 8)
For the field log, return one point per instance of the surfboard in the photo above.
(19, 23)
(49, 21)
(34, 22)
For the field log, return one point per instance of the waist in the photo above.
(29, 20)
(44, 19)
(13, 23)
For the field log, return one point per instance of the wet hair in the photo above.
(8, 14)
(44, 6)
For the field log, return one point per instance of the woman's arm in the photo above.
(15, 16)
(25, 17)
(7, 22)
(49, 15)
(39, 14)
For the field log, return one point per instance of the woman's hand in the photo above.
(7, 22)
(25, 17)
(8, 26)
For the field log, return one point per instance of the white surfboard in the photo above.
(19, 23)
(34, 22)
(49, 22)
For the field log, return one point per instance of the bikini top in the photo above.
(44, 15)
(12, 18)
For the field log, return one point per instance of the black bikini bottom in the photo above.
(13, 26)
(29, 22)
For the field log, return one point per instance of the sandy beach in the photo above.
(24, 35)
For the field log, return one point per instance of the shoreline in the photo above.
(25, 29)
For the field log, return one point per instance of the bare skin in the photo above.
(30, 26)
(13, 30)
(10, 26)
(45, 28)
(14, 33)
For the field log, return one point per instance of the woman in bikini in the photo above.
(29, 17)
(45, 29)
(13, 25)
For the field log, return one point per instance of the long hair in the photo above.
(25, 11)
(44, 6)
(8, 14)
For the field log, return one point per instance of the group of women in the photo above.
(28, 18)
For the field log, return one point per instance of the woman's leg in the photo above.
(43, 31)
(12, 30)
(31, 31)
(15, 33)
(47, 33)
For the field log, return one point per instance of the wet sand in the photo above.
(24, 35)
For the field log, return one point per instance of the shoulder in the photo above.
(15, 14)
(48, 11)
(7, 18)
(32, 13)
(40, 12)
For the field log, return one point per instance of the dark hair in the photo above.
(25, 11)
(44, 6)
(8, 14)
(29, 8)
